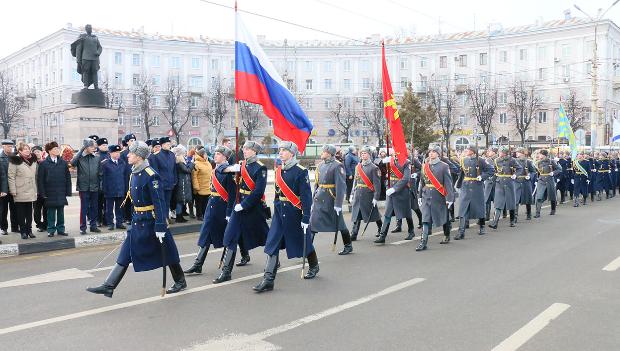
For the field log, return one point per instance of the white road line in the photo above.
(613, 266)
(532, 328)
(128, 304)
(257, 341)
(65, 274)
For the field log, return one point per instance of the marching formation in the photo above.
(478, 185)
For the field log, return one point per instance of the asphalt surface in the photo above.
(476, 294)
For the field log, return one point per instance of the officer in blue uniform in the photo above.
(113, 171)
(248, 222)
(564, 178)
(603, 179)
(149, 244)
(164, 162)
(103, 152)
(581, 179)
(219, 208)
(127, 141)
(289, 226)
(593, 174)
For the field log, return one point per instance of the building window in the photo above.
(195, 101)
(523, 54)
(308, 66)
(136, 80)
(503, 56)
(327, 84)
(308, 84)
(542, 53)
(365, 66)
(346, 84)
(214, 64)
(462, 60)
(121, 120)
(502, 98)
(404, 63)
(346, 66)
(195, 81)
(136, 100)
(118, 58)
(327, 66)
(566, 51)
(366, 83)
(541, 74)
(156, 80)
(542, 116)
(118, 78)
(308, 103)
(503, 119)
(404, 82)
(135, 59)
(156, 101)
(195, 121)
(328, 103)
(443, 61)
(136, 121)
(155, 120)
(423, 83)
(423, 62)
(566, 72)
(483, 59)
(196, 62)
(155, 61)
(175, 62)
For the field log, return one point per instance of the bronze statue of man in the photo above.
(86, 49)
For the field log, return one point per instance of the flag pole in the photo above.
(387, 126)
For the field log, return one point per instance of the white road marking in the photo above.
(128, 304)
(613, 266)
(532, 328)
(256, 342)
(65, 274)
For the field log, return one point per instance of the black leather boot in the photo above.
(111, 282)
(585, 200)
(504, 213)
(553, 206)
(418, 214)
(488, 212)
(599, 196)
(399, 226)
(517, 214)
(481, 224)
(271, 268)
(227, 267)
(355, 230)
(495, 221)
(409, 229)
(379, 225)
(562, 197)
(528, 209)
(538, 208)
(198, 262)
(513, 218)
(383, 232)
(245, 256)
(426, 228)
(178, 277)
(446, 233)
(576, 202)
(346, 239)
(461, 233)
(313, 263)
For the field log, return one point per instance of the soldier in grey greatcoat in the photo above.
(364, 198)
(489, 184)
(433, 203)
(330, 189)
(548, 172)
(398, 201)
(470, 188)
(506, 170)
(523, 185)
(416, 169)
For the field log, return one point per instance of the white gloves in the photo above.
(414, 175)
(556, 159)
(479, 178)
(419, 202)
(234, 168)
(338, 210)
(588, 181)
(374, 202)
(449, 203)
(557, 180)
(227, 218)
(390, 191)
(304, 226)
(527, 177)
(387, 159)
(514, 176)
(594, 170)
(160, 236)
(572, 181)
(238, 207)
(351, 198)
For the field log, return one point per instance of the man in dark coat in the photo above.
(398, 202)
(548, 171)
(87, 164)
(581, 179)
(523, 184)
(6, 199)
(164, 163)
(103, 153)
(506, 171)
(350, 162)
(291, 218)
(436, 196)
(54, 185)
(114, 187)
(149, 244)
(219, 209)
(603, 178)
(127, 141)
(248, 221)
(489, 184)
(366, 193)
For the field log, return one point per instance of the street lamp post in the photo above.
(594, 114)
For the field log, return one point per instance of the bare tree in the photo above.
(112, 95)
(215, 108)
(576, 112)
(11, 105)
(483, 102)
(252, 118)
(344, 117)
(373, 114)
(176, 101)
(143, 95)
(523, 103)
(443, 102)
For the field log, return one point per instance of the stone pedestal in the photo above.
(88, 98)
(80, 122)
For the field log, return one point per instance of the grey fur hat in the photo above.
(435, 148)
(223, 150)
(493, 148)
(288, 145)
(504, 149)
(140, 149)
(330, 149)
(88, 142)
(253, 145)
(471, 147)
(367, 149)
(521, 150)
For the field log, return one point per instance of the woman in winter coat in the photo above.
(54, 184)
(183, 189)
(201, 181)
(23, 187)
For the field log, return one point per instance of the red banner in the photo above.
(391, 114)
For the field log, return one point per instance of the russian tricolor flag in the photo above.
(258, 82)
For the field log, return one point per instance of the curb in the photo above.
(9, 250)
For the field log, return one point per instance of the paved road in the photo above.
(548, 284)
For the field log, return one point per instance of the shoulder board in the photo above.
(301, 167)
(149, 171)
(104, 160)
(260, 163)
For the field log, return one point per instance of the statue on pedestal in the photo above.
(87, 49)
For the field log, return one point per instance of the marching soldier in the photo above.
(603, 178)
(398, 197)
(219, 209)
(506, 170)
(329, 191)
(548, 170)
(291, 218)
(581, 180)
(564, 177)
(594, 163)
(114, 187)
(523, 184)
(149, 244)
(436, 196)
(366, 193)
(470, 188)
(248, 222)
(416, 171)
(489, 184)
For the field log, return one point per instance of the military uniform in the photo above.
(433, 203)
(164, 162)
(603, 178)
(564, 185)
(506, 170)
(489, 189)
(471, 204)
(367, 189)
(523, 186)
(399, 202)
(548, 170)
(594, 163)
(581, 181)
(416, 172)
(114, 188)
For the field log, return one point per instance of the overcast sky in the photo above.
(26, 21)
